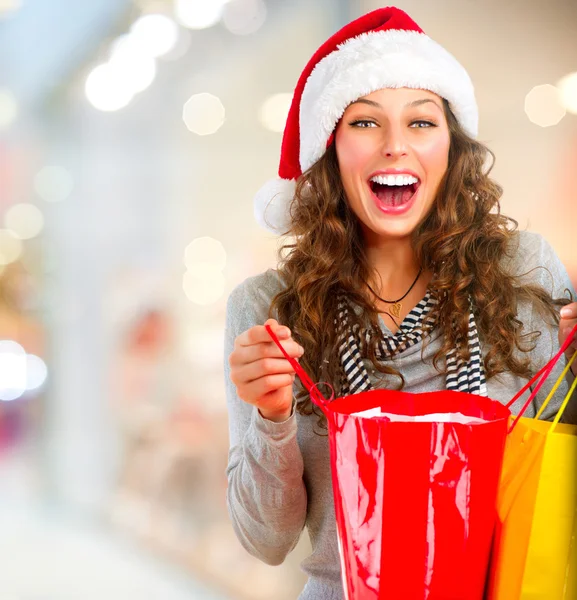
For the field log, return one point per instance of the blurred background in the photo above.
(133, 136)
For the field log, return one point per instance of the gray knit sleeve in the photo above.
(540, 263)
(266, 496)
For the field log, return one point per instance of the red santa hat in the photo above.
(382, 49)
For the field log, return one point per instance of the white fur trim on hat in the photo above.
(373, 61)
(272, 203)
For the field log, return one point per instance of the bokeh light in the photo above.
(19, 372)
(243, 17)
(106, 90)
(132, 67)
(36, 372)
(181, 47)
(203, 114)
(543, 106)
(203, 284)
(154, 34)
(199, 14)
(9, 7)
(205, 250)
(12, 370)
(8, 108)
(25, 220)
(53, 183)
(10, 247)
(567, 87)
(274, 111)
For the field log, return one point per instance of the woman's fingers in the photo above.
(248, 354)
(256, 344)
(270, 383)
(255, 390)
(263, 368)
(259, 370)
(258, 334)
(567, 323)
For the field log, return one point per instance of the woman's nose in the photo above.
(394, 143)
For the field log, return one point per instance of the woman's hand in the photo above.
(262, 375)
(566, 325)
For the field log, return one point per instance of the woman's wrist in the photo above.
(276, 416)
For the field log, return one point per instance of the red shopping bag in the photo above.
(415, 490)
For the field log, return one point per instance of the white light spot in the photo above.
(243, 17)
(53, 183)
(205, 250)
(203, 114)
(543, 105)
(106, 90)
(12, 370)
(199, 14)
(567, 86)
(203, 284)
(36, 372)
(10, 247)
(274, 111)
(131, 65)
(181, 47)
(25, 220)
(8, 108)
(136, 70)
(155, 35)
(8, 7)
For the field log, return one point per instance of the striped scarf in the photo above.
(463, 376)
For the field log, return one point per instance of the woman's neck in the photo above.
(395, 265)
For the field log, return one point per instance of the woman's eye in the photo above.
(422, 124)
(363, 123)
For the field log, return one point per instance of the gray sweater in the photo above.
(279, 473)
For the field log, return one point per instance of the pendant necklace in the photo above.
(397, 304)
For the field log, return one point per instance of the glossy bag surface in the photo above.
(414, 500)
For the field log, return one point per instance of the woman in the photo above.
(402, 273)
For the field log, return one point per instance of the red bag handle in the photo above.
(316, 395)
(543, 373)
(318, 398)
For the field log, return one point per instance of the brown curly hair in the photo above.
(463, 241)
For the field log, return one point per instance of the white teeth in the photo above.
(394, 179)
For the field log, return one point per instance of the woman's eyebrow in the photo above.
(369, 102)
(408, 105)
(422, 101)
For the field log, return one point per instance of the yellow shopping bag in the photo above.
(534, 553)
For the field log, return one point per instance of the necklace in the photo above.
(397, 305)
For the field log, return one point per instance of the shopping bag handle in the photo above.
(312, 388)
(557, 384)
(543, 374)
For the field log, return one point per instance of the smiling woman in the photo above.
(400, 273)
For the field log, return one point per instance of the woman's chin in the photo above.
(377, 229)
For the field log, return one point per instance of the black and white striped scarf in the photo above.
(463, 376)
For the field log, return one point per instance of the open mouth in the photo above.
(394, 190)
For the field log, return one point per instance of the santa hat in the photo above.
(382, 49)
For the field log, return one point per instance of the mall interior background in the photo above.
(133, 135)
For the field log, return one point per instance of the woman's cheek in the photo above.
(354, 158)
(434, 156)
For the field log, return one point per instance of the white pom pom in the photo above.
(272, 203)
